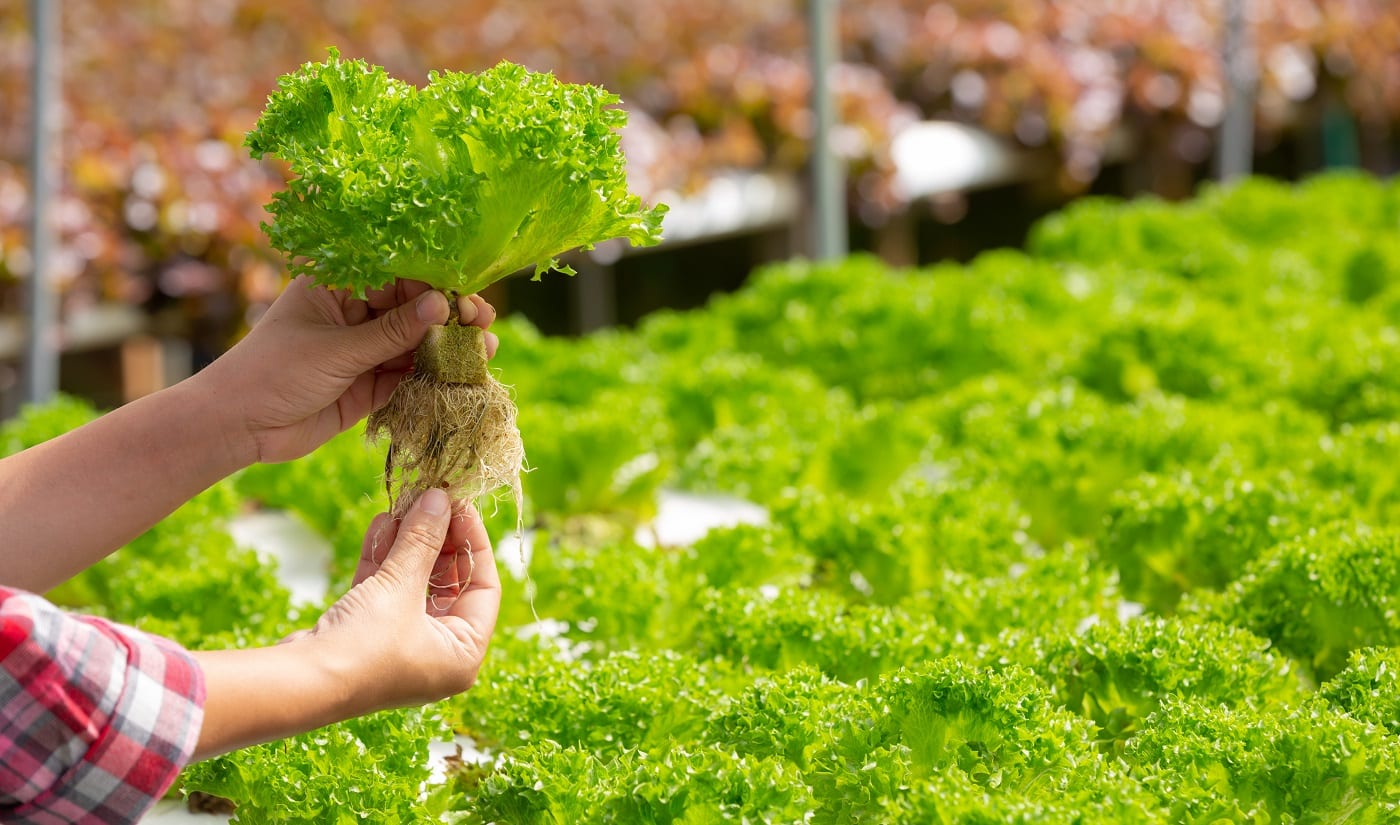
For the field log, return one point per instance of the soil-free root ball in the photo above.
(457, 184)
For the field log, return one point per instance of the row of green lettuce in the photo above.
(1095, 532)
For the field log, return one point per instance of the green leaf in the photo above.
(458, 184)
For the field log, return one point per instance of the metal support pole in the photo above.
(40, 379)
(1236, 153)
(828, 177)
(595, 295)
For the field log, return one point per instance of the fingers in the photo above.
(383, 529)
(420, 539)
(454, 569)
(403, 363)
(395, 332)
(480, 601)
(458, 566)
(356, 312)
(474, 310)
(396, 294)
(391, 322)
(385, 382)
(444, 585)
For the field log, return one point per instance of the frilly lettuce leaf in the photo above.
(457, 184)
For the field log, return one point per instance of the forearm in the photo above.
(69, 502)
(262, 694)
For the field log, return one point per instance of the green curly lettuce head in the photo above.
(457, 184)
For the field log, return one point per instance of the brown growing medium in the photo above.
(450, 424)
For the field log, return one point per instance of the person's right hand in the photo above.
(319, 360)
(423, 606)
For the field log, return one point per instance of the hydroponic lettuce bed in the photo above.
(969, 472)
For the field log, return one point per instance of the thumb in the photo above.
(396, 332)
(420, 539)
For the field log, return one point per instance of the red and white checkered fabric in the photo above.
(96, 719)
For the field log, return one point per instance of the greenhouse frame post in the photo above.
(40, 376)
(828, 178)
(1236, 152)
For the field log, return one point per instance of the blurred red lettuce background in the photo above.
(161, 203)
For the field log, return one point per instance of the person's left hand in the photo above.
(320, 360)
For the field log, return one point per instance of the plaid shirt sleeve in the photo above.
(96, 719)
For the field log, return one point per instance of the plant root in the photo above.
(461, 437)
(452, 425)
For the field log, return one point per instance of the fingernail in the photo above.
(434, 502)
(429, 305)
(466, 309)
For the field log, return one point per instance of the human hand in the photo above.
(418, 619)
(413, 629)
(320, 360)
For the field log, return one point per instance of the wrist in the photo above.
(261, 694)
(338, 668)
(333, 674)
(209, 398)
